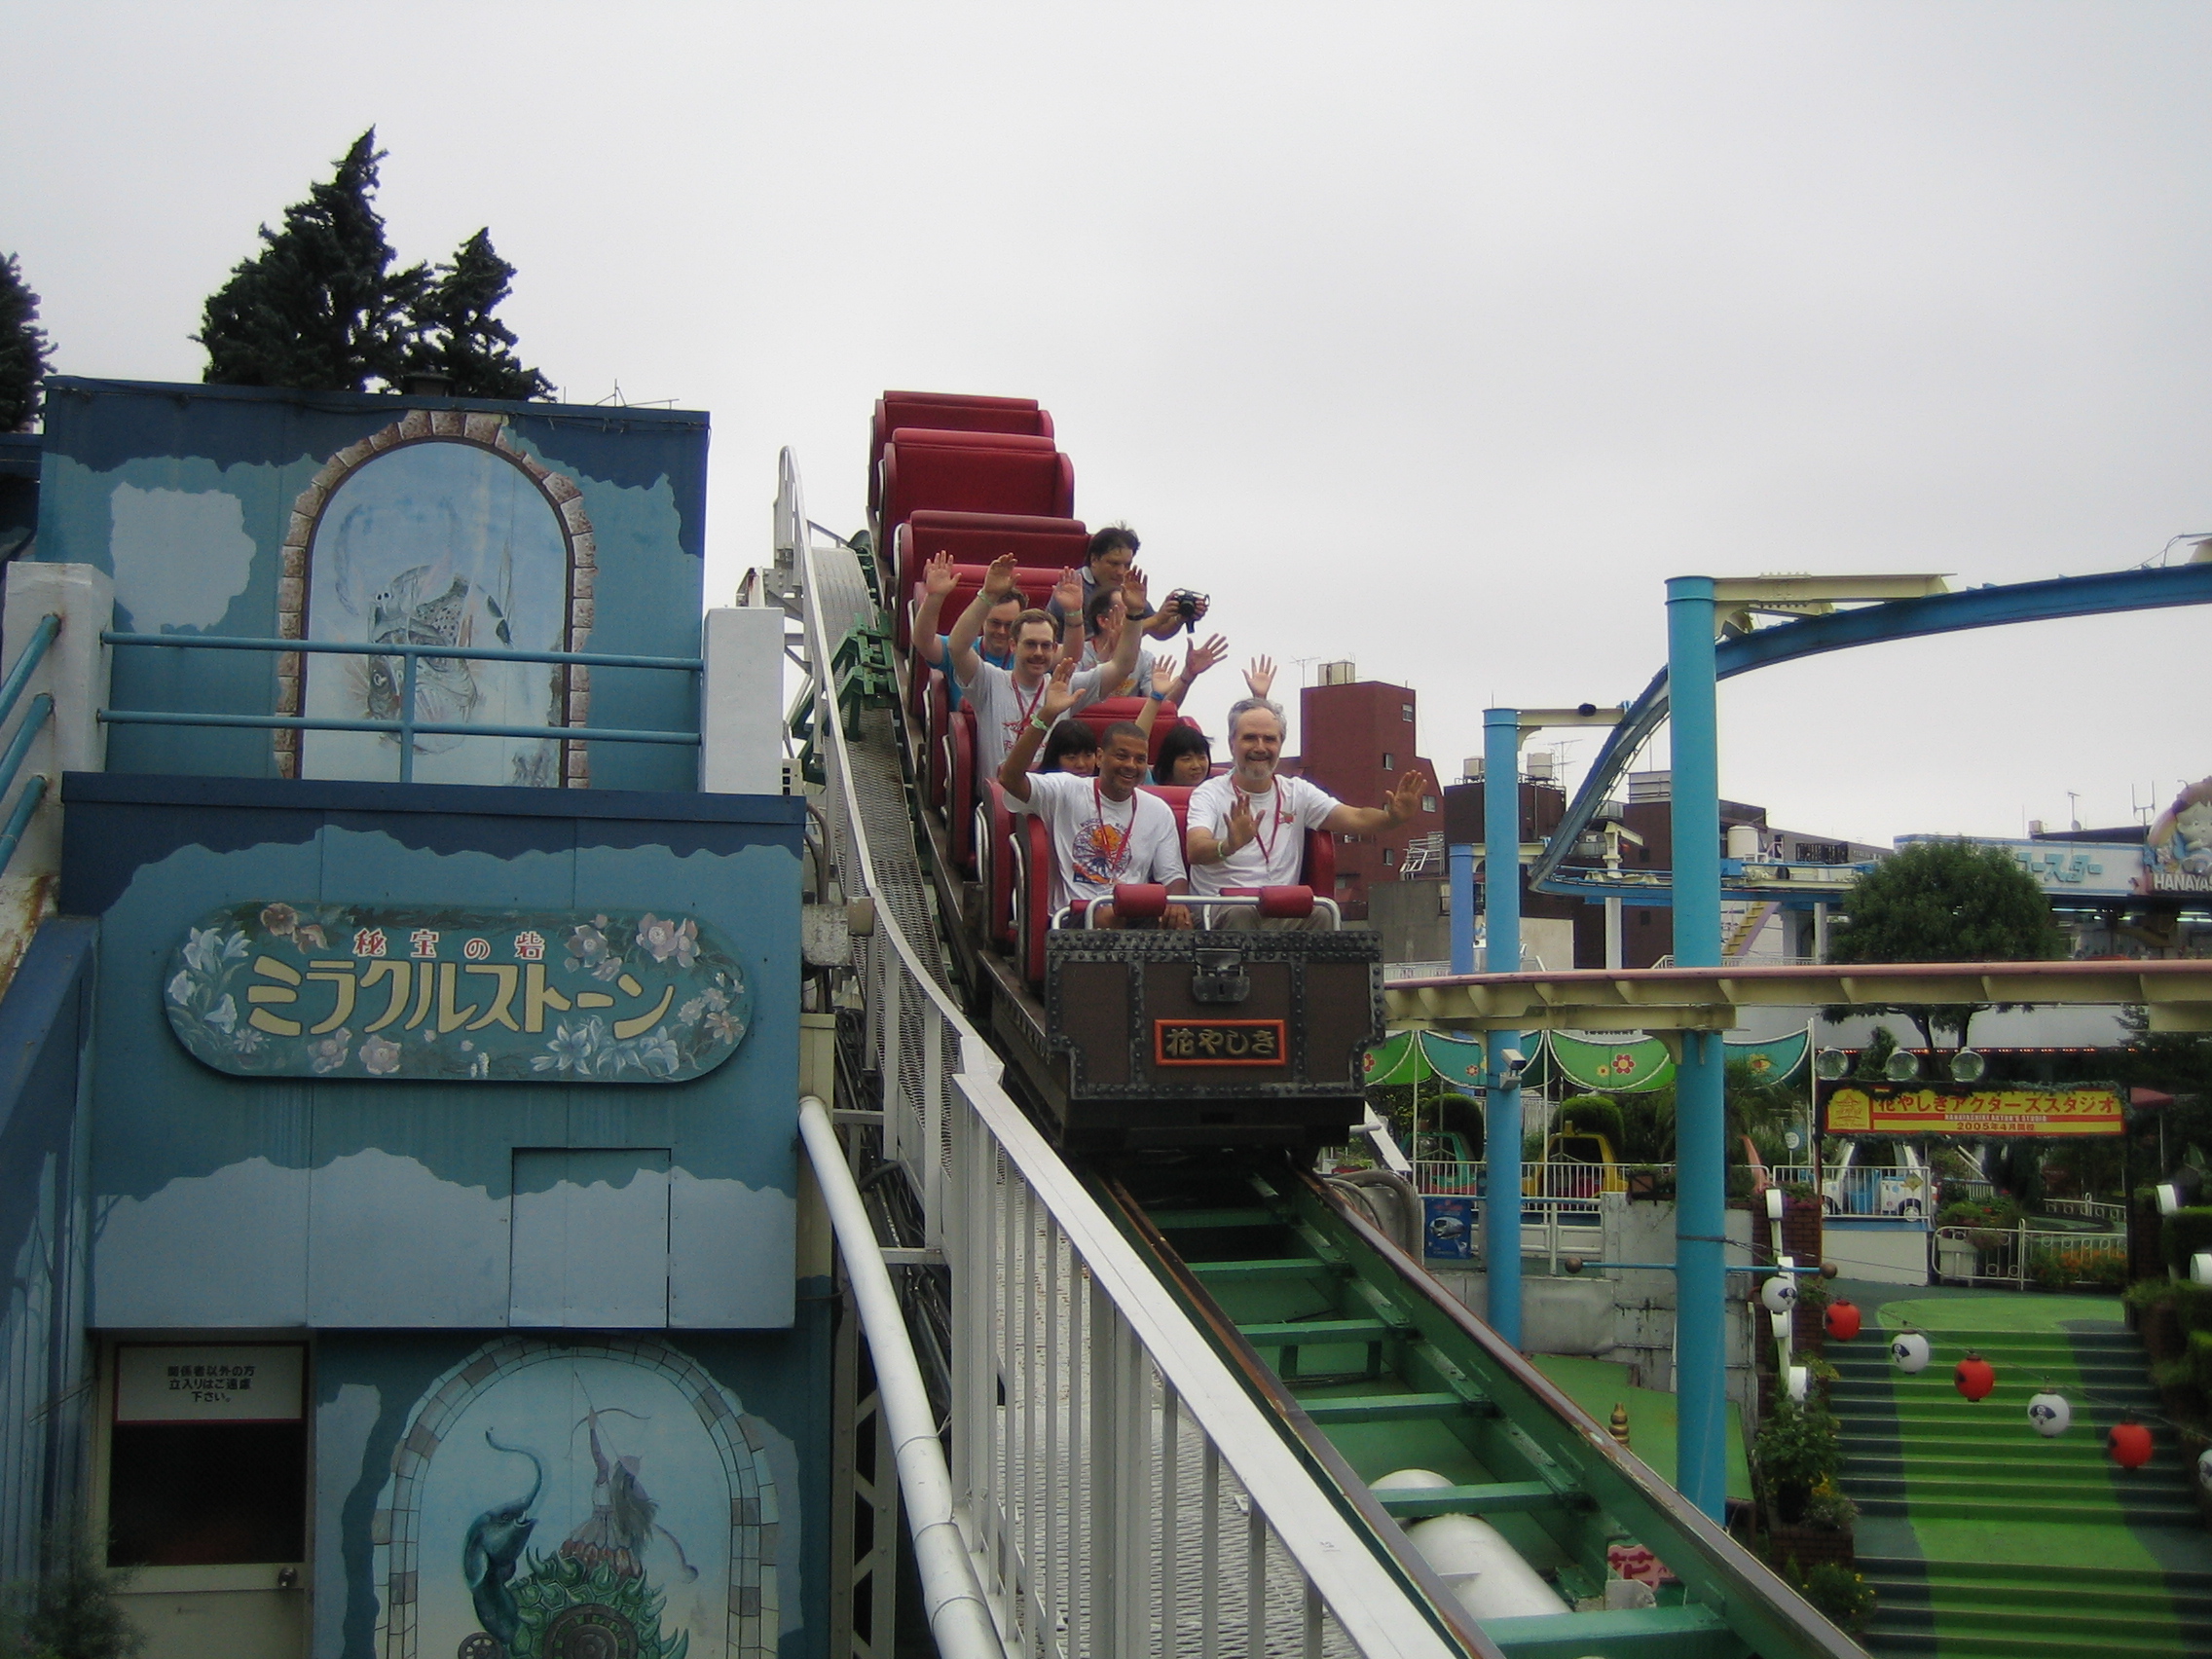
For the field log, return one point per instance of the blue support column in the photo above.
(1701, 1279)
(1501, 933)
(1459, 862)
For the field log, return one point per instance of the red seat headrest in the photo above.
(938, 437)
(1275, 901)
(1140, 901)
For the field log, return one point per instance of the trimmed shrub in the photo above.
(2187, 1231)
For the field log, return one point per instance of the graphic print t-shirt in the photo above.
(1003, 709)
(1098, 842)
(1282, 815)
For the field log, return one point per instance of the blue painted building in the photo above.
(399, 1177)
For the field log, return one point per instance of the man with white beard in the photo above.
(1247, 827)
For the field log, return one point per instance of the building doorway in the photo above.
(204, 1486)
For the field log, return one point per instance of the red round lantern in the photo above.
(2129, 1444)
(1975, 1376)
(1842, 1321)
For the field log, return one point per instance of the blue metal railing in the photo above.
(407, 727)
(41, 710)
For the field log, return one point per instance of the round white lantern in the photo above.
(2204, 1469)
(1909, 1348)
(1780, 1292)
(2051, 1415)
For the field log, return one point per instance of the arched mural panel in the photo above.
(580, 1500)
(437, 531)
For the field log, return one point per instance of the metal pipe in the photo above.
(35, 653)
(1459, 860)
(960, 1620)
(421, 728)
(11, 761)
(1501, 935)
(1700, 1137)
(26, 803)
(342, 647)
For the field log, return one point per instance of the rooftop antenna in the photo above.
(2074, 807)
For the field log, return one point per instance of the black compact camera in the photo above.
(1185, 606)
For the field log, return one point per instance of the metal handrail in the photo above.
(41, 712)
(34, 652)
(1077, 1378)
(407, 727)
(960, 1619)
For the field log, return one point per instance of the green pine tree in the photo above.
(23, 349)
(459, 337)
(320, 307)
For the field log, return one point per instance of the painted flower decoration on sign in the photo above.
(669, 937)
(258, 990)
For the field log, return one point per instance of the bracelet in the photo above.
(1157, 696)
(1038, 722)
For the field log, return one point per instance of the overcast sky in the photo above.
(1431, 337)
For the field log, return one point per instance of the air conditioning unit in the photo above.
(1541, 767)
(1471, 769)
(1338, 673)
(1645, 787)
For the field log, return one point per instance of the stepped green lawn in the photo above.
(2028, 1546)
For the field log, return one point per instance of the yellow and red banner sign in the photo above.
(2090, 1109)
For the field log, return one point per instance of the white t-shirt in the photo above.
(1003, 709)
(1272, 857)
(1098, 842)
(1139, 682)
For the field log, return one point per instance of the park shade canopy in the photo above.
(1632, 1068)
(1416, 1056)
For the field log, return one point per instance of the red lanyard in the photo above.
(1274, 818)
(1120, 861)
(1025, 712)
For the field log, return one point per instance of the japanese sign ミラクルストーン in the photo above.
(275, 990)
(171, 1383)
(2087, 1109)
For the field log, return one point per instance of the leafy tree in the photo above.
(459, 337)
(320, 307)
(25, 352)
(72, 1610)
(1945, 901)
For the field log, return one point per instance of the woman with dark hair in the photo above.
(1186, 757)
(1072, 747)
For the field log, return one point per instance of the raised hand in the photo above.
(1200, 657)
(1260, 675)
(1059, 695)
(1133, 593)
(1240, 830)
(938, 578)
(1163, 676)
(998, 580)
(1067, 593)
(1405, 800)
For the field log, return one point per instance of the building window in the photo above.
(1389, 762)
(1406, 710)
(1389, 856)
(1429, 803)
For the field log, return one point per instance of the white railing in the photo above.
(1118, 1491)
(1898, 1190)
(2112, 1215)
(2024, 1256)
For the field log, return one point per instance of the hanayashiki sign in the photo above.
(272, 989)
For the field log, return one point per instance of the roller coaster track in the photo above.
(1174, 1381)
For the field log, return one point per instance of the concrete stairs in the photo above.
(2028, 1548)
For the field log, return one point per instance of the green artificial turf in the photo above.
(1597, 1385)
(2002, 1311)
